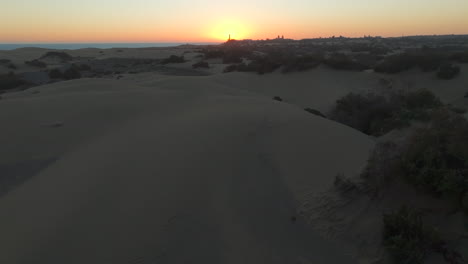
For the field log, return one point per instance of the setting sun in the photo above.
(227, 28)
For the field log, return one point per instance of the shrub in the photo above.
(341, 61)
(83, 67)
(55, 74)
(230, 68)
(12, 66)
(173, 59)
(362, 112)
(277, 98)
(448, 72)
(36, 63)
(302, 63)
(201, 64)
(406, 237)
(436, 157)
(460, 57)
(376, 115)
(64, 57)
(213, 53)
(71, 73)
(315, 112)
(425, 60)
(10, 81)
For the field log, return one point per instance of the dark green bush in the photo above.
(461, 57)
(448, 72)
(376, 115)
(436, 157)
(10, 81)
(36, 63)
(72, 73)
(408, 240)
(363, 112)
(230, 68)
(55, 74)
(341, 61)
(302, 63)
(277, 98)
(315, 112)
(201, 64)
(64, 57)
(173, 59)
(426, 61)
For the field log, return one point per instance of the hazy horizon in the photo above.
(140, 21)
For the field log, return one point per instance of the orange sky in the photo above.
(207, 20)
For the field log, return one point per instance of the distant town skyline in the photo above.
(211, 21)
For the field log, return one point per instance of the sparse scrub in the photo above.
(173, 59)
(55, 74)
(315, 112)
(72, 73)
(436, 157)
(302, 63)
(460, 57)
(376, 114)
(406, 237)
(426, 61)
(10, 81)
(448, 72)
(201, 64)
(340, 61)
(36, 63)
(64, 57)
(433, 159)
(230, 68)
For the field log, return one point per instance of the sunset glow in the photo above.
(207, 20)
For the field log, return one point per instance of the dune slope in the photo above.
(165, 174)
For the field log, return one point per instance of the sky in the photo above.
(72, 21)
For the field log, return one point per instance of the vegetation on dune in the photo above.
(436, 157)
(406, 237)
(315, 112)
(11, 81)
(378, 114)
(64, 57)
(36, 63)
(448, 71)
(201, 64)
(72, 72)
(173, 59)
(340, 61)
(277, 98)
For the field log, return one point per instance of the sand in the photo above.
(154, 168)
(171, 170)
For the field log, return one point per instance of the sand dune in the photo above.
(166, 172)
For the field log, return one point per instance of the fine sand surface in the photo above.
(169, 170)
(154, 168)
